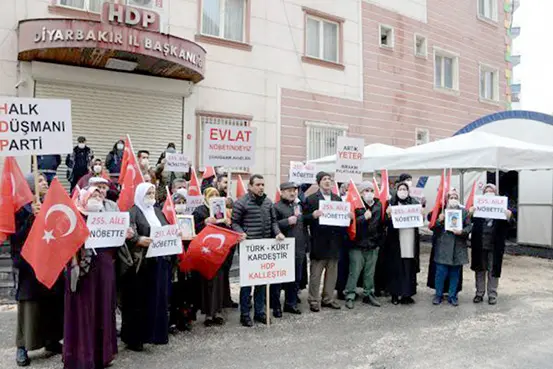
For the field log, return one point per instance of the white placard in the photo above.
(407, 216)
(335, 213)
(349, 159)
(177, 163)
(416, 192)
(192, 202)
(301, 173)
(107, 229)
(165, 241)
(35, 126)
(267, 261)
(490, 207)
(453, 220)
(229, 146)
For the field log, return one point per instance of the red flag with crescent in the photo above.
(169, 208)
(240, 188)
(209, 250)
(470, 200)
(58, 232)
(128, 159)
(132, 179)
(194, 185)
(14, 194)
(354, 199)
(277, 196)
(208, 172)
(384, 191)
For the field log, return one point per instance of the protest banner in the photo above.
(453, 220)
(230, 146)
(107, 229)
(192, 202)
(490, 207)
(267, 261)
(177, 163)
(301, 173)
(335, 213)
(407, 216)
(35, 126)
(349, 159)
(165, 241)
(416, 192)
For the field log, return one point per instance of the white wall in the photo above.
(415, 9)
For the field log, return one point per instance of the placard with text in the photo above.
(165, 241)
(335, 213)
(349, 159)
(230, 146)
(267, 261)
(107, 229)
(301, 173)
(407, 216)
(178, 163)
(490, 207)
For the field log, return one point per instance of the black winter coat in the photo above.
(370, 233)
(285, 209)
(326, 241)
(499, 233)
(255, 216)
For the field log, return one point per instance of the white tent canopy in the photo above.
(371, 153)
(470, 151)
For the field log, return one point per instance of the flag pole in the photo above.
(268, 304)
(35, 175)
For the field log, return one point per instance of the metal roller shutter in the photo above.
(103, 116)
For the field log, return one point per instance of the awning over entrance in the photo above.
(104, 45)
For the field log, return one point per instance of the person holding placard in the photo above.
(165, 177)
(488, 247)
(451, 230)
(145, 285)
(326, 242)
(402, 252)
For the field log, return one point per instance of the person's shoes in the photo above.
(349, 303)
(173, 329)
(55, 348)
(453, 301)
(314, 308)
(437, 300)
(292, 310)
(277, 313)
(209, 322)
(185, 327)
(231, 305)
(21, 357)
(371, 300)
(261, 319)
(341, 296)
(477, 299)
(218, 320)
(492, 300)
(377, 293)
(246, 321)
(331, 305)
(407, 301)
(395, 300)
(136, 347)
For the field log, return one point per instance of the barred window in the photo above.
(322, 139)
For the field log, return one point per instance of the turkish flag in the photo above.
(277, 196)
(58, 232)
(335, 189)
(75, 195)
(384, 191)
(470, 200)
(438, 204)
(209, 172)
(194, 188)
(132, 179)
(240, 188)
(128, 159)
(209, 250)
(376, 188)
(355, 202)
(14, 194)
(169, 209)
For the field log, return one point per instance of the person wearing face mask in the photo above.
(488, 247)
(403, 252)
(39, 309)
(166, 178)
(363, 253)
(78, 162)
(451, 251)
(408, 179)
(145, 285)
(96, 169)
(114, 159)
(90, 338)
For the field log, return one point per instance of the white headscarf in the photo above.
(148, 211)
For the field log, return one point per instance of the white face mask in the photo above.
(120, 147)
(148, 201)
(144, 162)
(180, 208)
(453, 203)
(402, 194)
(94, 205)
(81, 145)
(97, 169)
(368, 196)
(489, 194)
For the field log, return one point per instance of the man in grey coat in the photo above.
(253, 216)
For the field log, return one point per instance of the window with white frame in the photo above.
(223, 121)
(446, 70)
(88, 5)
(386, 36)
(489, 83)
(322, 38)
(224, 19)
(487, 9)
(422, 136)
(322, 139)
(420, 46)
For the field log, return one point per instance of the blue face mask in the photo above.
(171, 150)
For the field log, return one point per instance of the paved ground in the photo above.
(516, 333)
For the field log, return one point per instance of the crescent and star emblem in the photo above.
(219, 237)
(49, 235)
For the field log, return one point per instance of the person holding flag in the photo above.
(369, 237)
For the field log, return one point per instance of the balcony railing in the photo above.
(515, 60)
(515, 32)
(515, 88)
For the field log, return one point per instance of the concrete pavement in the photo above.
(516, 333)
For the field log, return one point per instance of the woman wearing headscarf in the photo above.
(39, 310)
(212, 291)
(114, 160)
(451, 251)
(90, 338)
(402, 254)
(145, 285)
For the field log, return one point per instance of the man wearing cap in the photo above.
(290, 222)
(488, 247)
(364, 251)
(326, 242)
(78, 161)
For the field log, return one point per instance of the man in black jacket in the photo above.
(78, 161)
(290, 222)
(253, 216)
(326, 242)
(364, 250)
